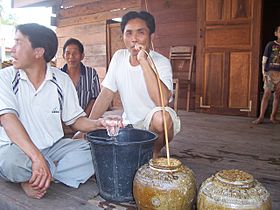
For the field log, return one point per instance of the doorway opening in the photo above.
(271, 17)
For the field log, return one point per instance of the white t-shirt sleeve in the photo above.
(164, 69)
(110, 78)
(8, 101)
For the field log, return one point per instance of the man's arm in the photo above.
(264, 60)
(89, 107)
(41, 175)
(84, 124)
(152, 85)
(102, 103)
(100, 106)
(152, 82)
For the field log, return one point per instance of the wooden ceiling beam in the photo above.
(34, 3)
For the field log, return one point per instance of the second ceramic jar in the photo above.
(233, 190)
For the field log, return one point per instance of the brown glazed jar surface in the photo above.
(158, 185)
(233, 190)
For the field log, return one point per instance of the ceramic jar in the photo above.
(233, 190)
(158, 185)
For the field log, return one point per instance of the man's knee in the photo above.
(157, 122)
(15, 168)
(267, 93)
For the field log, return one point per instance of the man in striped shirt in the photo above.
(85, 78)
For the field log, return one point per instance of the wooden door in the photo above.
(228, 56)
(114, 42)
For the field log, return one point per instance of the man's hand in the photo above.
(141, 54)
(41, 175)
(84, 125)
(100, 123)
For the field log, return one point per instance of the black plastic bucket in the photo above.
(116, 161)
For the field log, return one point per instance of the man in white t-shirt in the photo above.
(130, 74)
(34, 100)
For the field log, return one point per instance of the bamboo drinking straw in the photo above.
(153, 66)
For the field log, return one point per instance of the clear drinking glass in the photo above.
(113, 124)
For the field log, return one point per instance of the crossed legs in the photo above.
(70, 162)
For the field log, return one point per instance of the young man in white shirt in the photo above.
(130, 74)
(34, 99)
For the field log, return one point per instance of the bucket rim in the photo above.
(105, 140)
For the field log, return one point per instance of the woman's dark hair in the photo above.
(40, 36)
(276, 28)
(143, 15)
(74, 42)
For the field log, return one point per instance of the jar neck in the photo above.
(235, 178)
(161, 164)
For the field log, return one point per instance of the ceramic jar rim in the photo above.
(235, 177)
(161, 164)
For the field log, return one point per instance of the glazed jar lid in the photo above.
(235, 177)
(162, 164)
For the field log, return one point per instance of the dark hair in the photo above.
(143, 15)
(40, 36)
(276, 28)
(75, 42)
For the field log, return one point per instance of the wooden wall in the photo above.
(176, 22)
(86, 21)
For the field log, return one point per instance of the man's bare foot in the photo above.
(31, 192)
(274, 121)
(258, 121)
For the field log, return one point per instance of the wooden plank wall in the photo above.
(175, 25)
(86, 21)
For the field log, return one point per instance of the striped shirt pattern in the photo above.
(88, 87)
